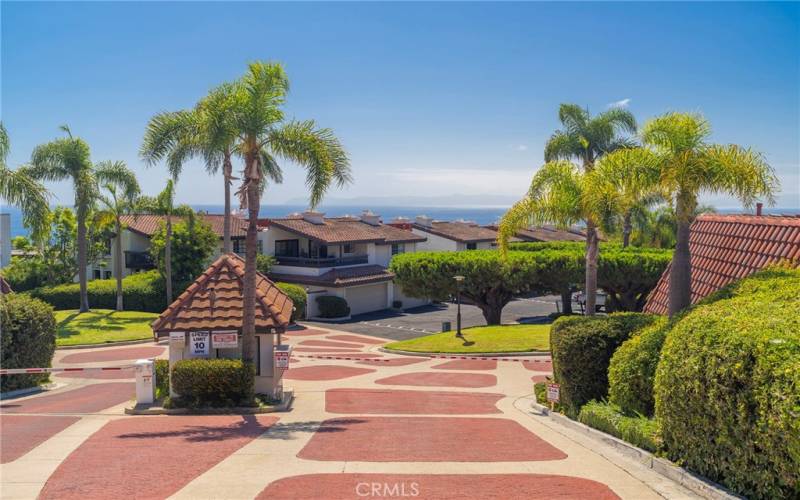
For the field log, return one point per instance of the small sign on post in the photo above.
(225, 340)
(553, 394)
(282, 355)
(198, 343)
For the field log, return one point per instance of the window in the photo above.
(107, 275)
(398, 248)
(258, 355)
(348, 248)
(317, 250)
(472, 246)
(237, 246)
(287, 248)
(96, 274)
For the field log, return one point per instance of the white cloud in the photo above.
(521, 147)
(620, 104)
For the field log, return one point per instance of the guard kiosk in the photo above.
(206, 322)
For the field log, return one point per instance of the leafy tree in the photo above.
(192, 242)
(264, 263)
(22, 243)
(688, 165)
(20, 189)
(656, 228)
(121, 189)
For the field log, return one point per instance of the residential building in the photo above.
(546, 233)
(342, 256)
(136, 233)
(452, 236)
(726, 248)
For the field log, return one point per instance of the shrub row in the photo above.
(213, 382)
(639, 431)
(141, 292)
(161, 369)
(299, 298)
(28, 336)
(331, 306)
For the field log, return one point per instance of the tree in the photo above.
(263, 135)
(164, 204)
(656, 228)
(121, 188)
(20, 189)
(207, 131)
(192, 244)
(586, 139)
(69, 158)
(688, 165)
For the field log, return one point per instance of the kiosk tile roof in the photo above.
(360, 275)
(214, 301)
(725, 248)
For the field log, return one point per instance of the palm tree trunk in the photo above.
(566, 301)
(168, 260)
(249, 319)
(84, 294)
(680, 273)
(226, 224)
(626, 229)
(592, 250)
(118, 264)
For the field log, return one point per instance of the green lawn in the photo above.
(102, 325)
(506, 338)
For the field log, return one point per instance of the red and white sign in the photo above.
(553, 392)
(225, 340)
(282, 360)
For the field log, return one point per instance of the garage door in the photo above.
(367, 298)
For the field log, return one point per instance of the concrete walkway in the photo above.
(376, 426)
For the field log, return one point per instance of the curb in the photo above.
(697, 484)
(106, 344)
(284, 405)
(453, 355)
(30, 390)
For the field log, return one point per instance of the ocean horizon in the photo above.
(481, 215)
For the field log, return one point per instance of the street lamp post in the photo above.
(459, 280)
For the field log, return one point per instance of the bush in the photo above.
(264, 263)
(25, 273)
(141, 291)
(633, 369)
(162, 378)
(28, 333)
(299, 298)
(727, 386)
(639, 431)
(213, 382)
(582, 347)
(331, 306)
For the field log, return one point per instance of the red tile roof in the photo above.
(147, 225)
(347, 276)
(214, 301)
(464, 232)
(546, 233)
(725, 248)
(338, 230)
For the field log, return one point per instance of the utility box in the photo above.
(145, 382)
(446, 327)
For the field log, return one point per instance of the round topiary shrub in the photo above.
(727, 387)
(28, 333)
(581, 348)
(633, 368)
(331, 306)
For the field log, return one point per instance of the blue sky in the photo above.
(429, 99)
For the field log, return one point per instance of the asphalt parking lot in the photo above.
(425, 320)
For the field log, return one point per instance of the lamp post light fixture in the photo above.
(459, 281)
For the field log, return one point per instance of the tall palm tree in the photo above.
(263, 135)
(121, 190)
(20, 189)
(690, 165)
(586, 138)
(69, 158)
(206, 131)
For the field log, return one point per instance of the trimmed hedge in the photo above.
(299, 298)
(28, 339)
(727, 386)
(213, 382)
(633, 369)
(162, 378)
(141, 292)
(639, 431)
(331, 306)
(582, 347)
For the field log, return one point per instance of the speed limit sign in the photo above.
(198, 343)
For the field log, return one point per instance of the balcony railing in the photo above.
(139, 260)
(284, 260)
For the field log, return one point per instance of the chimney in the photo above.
(424, 220)
(372, 219)
(313, 217)
(759, 207)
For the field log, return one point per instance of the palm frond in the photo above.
(562, 146)
(116, 174)
(739, 171)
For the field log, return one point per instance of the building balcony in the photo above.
(353, 260)
(139, 260)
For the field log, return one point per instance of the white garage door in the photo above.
(367, 298)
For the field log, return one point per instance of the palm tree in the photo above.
(18, 188)
(689, 165)
(263, 135)
(206, 131)
(586, 139)
(122, 189)
(69, 158)
(164, 204)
